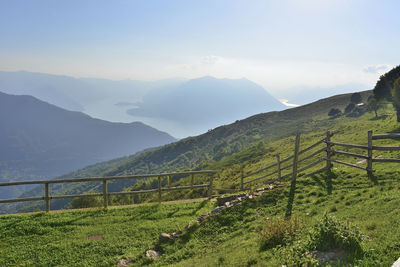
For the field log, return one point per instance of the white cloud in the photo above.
(380, 68)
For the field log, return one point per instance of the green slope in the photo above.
(229, 239)
(233, 237)
(206, 150)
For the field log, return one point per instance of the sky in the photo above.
(282, 45)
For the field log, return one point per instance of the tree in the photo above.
(395, 92)
(373, 105)
(384, 85)
(350, 107)
(334, 112)
(356, 98)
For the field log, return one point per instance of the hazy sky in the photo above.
(278, 44)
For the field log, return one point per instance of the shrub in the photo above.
(350, 107)
(330, 233)
(356, 98)
(334, 112)
(279, 231)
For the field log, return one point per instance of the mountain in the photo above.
(205, 103)
(243, 138)
(38, 139)
(95, 97)
(178, 106)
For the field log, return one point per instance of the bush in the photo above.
(334, 112)
(331, 233)
(350, 107)
(356, 98)
(279, 231)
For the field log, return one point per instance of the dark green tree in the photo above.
(334, 112)
(356, 98)
(373, 105)
(350, 107)
(384, 85)
(395, 92)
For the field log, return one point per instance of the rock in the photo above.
(329, 256)
(176, 234)
(223, 199)
(228, 204)
(124, 263)
(153, 254)
(203, 217)
(396, 263)
(217, 210)
(165, 238)
(235, 202)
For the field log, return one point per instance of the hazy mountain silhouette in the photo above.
(207, 102)
(38, 139)
(96, 97)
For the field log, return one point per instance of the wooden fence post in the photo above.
(192, 181)
(278, 160)
(296, 157)
(369, 161)
(241, 180)
(159, 189)
(169, 180)
(328, 153)
(210, 187)
(105, 194)
(47, 197)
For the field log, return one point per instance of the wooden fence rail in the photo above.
(105, 194)
(278, 168)
(330, 153)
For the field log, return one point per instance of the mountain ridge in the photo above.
(42, 140)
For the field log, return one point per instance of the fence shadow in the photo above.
(289, 206)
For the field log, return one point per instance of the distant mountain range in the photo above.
(201, 104)
(38, 139)
(178, 106)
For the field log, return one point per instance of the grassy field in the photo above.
(232, 238)
(237, 236)
(61, 238)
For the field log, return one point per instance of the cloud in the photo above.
(210, 60)
(380, 68)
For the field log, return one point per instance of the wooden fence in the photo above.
(328, 150)
(105, 194)
(325, 147)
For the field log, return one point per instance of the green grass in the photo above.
(233, 238)
(60, 238)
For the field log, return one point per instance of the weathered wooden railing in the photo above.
(276, 167)
(370, 148)
(105, 194)
(330, 152)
